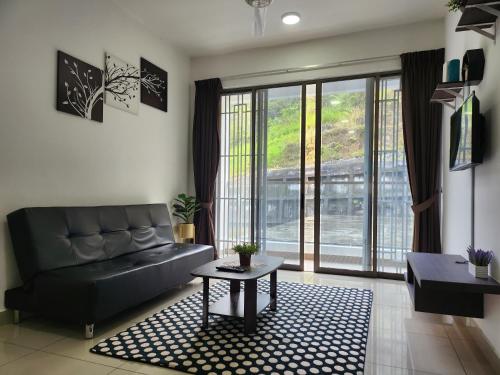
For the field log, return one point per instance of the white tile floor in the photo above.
(400, 342)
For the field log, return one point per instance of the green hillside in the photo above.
(342, 133)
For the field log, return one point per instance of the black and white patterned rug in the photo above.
(315, 330)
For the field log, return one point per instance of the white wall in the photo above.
(383, 42)
(457, 185)
(52, 158)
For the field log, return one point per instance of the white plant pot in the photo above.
(480, 272)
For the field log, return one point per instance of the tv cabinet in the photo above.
(438, 284)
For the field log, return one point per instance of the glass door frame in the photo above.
(372, 151)
(257, 182)
(255, 205)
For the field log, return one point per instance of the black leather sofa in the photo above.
(85, 264)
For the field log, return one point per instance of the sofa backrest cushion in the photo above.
(46, 238)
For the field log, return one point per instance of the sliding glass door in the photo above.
(344, 174)
(279, 142)
(315, 172)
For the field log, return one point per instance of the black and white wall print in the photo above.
(121, 84)
(154, 81)
(79, 87)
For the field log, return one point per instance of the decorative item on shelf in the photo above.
(245, 251)
(479, 261)
(453, 70)
(185, 206)
(452, 88)
(456, 5)
(473, 66)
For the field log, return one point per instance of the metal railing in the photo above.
(233, 194)
(394, 214)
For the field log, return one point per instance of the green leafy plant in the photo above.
(185, 206)
(454, 5)
(246, 249)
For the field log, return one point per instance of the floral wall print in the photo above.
(79, 88)
(154, 81)
(121, 84)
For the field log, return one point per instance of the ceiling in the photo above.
(208, 27)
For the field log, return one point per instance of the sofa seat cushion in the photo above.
(98, 290)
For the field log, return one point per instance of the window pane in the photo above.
(346, 123)
(395, 217)
(278, 122)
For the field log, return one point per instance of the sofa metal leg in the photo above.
(17, 316)
(89, 330)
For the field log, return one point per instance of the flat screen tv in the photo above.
(465, 135)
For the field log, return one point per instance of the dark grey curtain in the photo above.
(421, 72)
(206, 155)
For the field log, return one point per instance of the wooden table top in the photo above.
(441, 271)
(261, 266)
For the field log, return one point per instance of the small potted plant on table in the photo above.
(245, 252)
(479, 261)
(185, 206)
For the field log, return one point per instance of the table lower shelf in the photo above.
(233, 304)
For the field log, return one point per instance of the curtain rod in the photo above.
(309, 68)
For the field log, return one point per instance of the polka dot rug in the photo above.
(315, 330)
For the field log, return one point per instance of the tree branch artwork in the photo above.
(121, 84)
(80, 88)
(82, 95)
(154, 82)
(153, 85)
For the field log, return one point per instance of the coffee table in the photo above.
(247, 304)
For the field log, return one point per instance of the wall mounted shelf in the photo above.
(438, 284)
(447, 92)
(480, 16)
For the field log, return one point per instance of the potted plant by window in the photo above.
(479, 261)
(245, 250)
(185, 206)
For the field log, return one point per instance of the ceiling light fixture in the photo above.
(290, 18)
